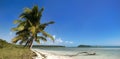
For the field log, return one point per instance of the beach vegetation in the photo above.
(11, 51)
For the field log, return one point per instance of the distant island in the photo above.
(84, 46)
(98, 46)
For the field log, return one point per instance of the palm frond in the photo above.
(47, 35)
(40, 13)
(38, 41)
(46, 24)
(27, 10)
(41, 38)
(18, 28)
(16, 39)
(35, 9)
(43, 26)
(25, 32)
(23, 23)
(24, 40)
(25, 16)
(32, 30)
(17, 21)
(14, 29)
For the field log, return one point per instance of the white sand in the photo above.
(43, 54)
(47, 55)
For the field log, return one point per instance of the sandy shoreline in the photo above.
(43, 54)
(46, 55)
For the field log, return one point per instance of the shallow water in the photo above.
(104, 53)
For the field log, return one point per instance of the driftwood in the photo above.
(86, 53)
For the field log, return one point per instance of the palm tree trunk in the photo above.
(31, 42)
(27, 43)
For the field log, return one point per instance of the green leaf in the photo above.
(32, 30)
(22, 41)
(47, 35)
(17, 38)
(22, 24)
(14, 29)
(20, 28)
(51, 22)
(17, 21)
(41, 38)
(38, 41)
(27, 10)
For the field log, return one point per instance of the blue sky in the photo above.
(93, 22)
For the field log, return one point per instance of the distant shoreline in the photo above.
(80, 46)
(90, 46)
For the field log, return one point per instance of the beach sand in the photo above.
(43, 54)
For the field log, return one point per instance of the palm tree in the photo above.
(29, 26)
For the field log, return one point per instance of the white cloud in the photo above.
(58, 41)
(71, 42)
(66, 41)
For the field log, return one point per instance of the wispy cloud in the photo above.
(58, 41)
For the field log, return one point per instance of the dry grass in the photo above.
(16, 53)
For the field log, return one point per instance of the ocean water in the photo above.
(76, 53)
